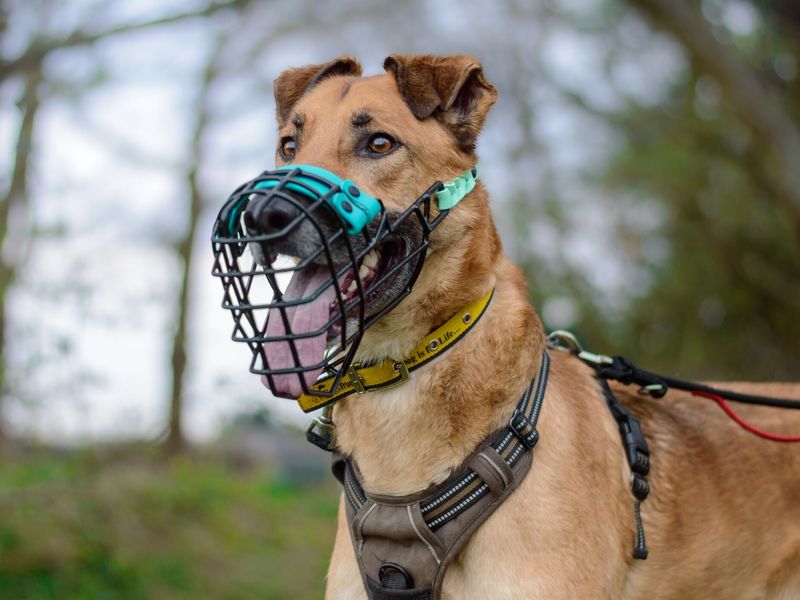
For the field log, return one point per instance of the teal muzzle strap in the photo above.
(354, 207)
(453, 192)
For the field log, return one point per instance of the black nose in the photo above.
(269, 215)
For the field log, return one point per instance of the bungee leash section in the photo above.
(619, 368)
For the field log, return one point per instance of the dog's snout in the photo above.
(270, 217)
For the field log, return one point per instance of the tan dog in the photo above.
(723, 518)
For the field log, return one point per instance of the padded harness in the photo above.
(404, 544)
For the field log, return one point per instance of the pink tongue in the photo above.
(302, 318)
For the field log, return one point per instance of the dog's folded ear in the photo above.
(293, 83)
(450, 88)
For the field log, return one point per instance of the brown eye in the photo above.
(381, 143)
(288, 148)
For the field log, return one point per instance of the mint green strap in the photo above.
(454, 191)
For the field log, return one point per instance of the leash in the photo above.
(619, 368)
(773, 437)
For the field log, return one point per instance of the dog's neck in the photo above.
(408, 438)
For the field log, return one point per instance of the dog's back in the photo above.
(723, 519)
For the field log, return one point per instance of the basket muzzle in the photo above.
(308, 262)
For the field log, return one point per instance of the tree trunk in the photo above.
(176, 440)
(16, 197)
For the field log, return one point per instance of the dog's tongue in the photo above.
(302, 318)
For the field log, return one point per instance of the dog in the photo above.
(723, 518)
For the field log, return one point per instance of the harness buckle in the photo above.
(523, 429)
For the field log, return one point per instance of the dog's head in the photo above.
(393, 135)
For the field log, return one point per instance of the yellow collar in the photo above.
(390, 373)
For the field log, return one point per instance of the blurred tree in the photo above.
(720, 155)
(27, 66)
(15, 200)
(748, 79)
(202, 113)
(46, 42)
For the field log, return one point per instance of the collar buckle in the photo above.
(398, 366)
(356, 379)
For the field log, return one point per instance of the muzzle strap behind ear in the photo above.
(453, 192)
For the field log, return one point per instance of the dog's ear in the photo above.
(293, 83)
(451, 88)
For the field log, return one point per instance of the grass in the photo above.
(84, 528)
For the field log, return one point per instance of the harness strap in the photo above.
(404, 544)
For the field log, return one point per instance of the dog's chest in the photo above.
(395, 438)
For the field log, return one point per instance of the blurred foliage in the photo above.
(86, 527)
(718, 278)
(725, 302)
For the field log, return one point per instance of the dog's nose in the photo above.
(269, 217)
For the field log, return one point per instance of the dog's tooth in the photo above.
(363, 271)
(371, 259)
(353, 287)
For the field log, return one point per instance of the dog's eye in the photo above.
(381, 143)
(288, 148)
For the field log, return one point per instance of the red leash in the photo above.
(774, 437)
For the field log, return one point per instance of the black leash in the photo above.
(619, 368)
(623, 370)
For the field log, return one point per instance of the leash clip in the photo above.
(654, 390)
(322, 430)
(568, 341)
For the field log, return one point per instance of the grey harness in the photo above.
(404, 544)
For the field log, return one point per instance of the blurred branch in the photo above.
(769, 120)
(42, 47)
